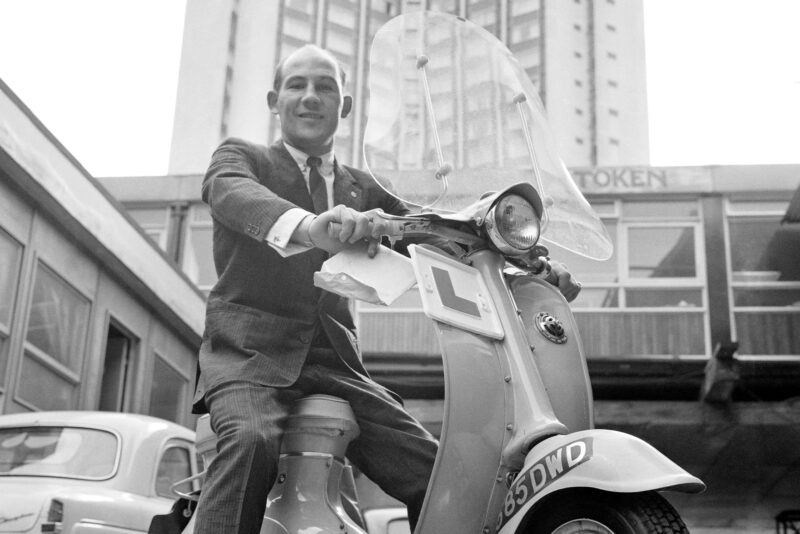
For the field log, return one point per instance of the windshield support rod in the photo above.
(444, 168)
(519, 100)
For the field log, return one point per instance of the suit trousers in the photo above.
(392, 449)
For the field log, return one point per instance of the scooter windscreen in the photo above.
(452, 116)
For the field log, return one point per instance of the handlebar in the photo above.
(537, 263)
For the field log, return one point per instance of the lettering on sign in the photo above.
(541, 474)
(620, 179)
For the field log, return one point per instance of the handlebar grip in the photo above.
(393, 228)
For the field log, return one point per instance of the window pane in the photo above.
(680, 298)
(521, 7)
(168, 391)
(767, 297)
(174, 466)
(343, 13)
(450, 6)
(57, 451)
(43, 387)
(10, 258)
(660, 210)
(587, 270)
(763, 251)
(661, 253)
(58, 319)
(305, 6)
(484, 13)
(198, 260)
(302, 30)
(596, 298)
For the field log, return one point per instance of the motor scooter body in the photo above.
(517, 422)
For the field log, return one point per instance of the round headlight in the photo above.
(512, 225)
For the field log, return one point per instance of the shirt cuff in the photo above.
(280, 234)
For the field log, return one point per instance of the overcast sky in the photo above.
(723, 78)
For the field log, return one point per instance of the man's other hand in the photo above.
(341, 227)
(561, 278)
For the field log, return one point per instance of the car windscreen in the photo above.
(56, 451)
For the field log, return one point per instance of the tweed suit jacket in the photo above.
(264, 311)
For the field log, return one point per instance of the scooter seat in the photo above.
(313, 410)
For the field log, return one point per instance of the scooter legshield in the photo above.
(602, 459)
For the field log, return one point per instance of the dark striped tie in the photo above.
(319, 193)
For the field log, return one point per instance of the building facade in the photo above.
(585, 56)
(93, 315)
(690, 329)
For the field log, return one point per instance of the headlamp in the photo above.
(513, 225)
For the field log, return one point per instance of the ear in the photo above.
(272, 101)
(347, 105)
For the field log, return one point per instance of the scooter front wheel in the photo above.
(589, 511)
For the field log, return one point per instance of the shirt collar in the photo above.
(300, 158)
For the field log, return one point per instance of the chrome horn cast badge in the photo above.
(550, 327)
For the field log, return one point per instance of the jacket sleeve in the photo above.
(231, 188)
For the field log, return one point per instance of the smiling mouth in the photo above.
(316, 116)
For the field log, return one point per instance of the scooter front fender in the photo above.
(602, 459)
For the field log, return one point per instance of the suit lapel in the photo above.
(346, 189)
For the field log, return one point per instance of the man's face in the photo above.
(309, 101)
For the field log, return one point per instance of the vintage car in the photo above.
(89, 472)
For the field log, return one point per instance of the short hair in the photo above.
(278, 78)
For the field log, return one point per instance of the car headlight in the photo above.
(513, 225)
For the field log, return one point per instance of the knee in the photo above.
(246, 439)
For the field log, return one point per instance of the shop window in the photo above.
(58, 319)
(168, 391)
(765, 279)
(43, 386)
(648, 299)
(10, 262)
(175, 465)
(55, 340)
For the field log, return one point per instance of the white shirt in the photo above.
(279, 235)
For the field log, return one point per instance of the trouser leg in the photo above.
(248, 420)
(393, 449)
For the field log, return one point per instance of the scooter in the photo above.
(452, 115)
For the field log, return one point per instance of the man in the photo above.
(272, 337)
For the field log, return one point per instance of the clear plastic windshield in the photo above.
(452, 116)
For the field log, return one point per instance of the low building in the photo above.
(93, 314)
(690, 329)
